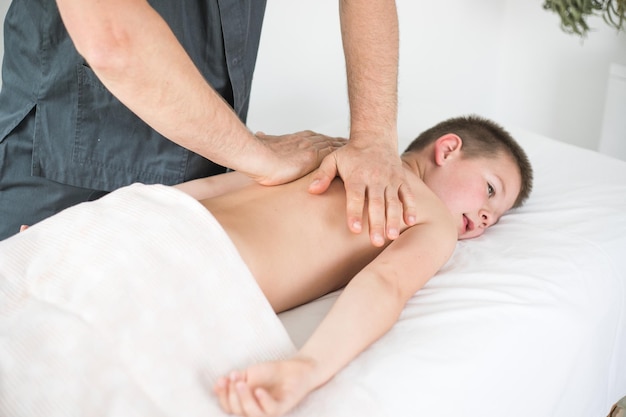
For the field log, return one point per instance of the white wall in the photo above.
(300, 78)
(505, 59)
(4, 5)
(551, 82)
(613, 139)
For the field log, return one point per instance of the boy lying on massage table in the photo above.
(466, 173)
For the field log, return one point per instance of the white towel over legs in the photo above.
(131, 305)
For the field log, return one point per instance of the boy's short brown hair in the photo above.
(481, 138)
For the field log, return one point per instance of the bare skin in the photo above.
(298, 248)
(263, 237)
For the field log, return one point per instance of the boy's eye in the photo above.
(490, 190)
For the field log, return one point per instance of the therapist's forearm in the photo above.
(137, 57)
(370, 41)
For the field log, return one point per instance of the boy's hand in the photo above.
(374, 177)
(266, 389)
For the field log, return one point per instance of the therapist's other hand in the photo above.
(373, 176)
(295, 155)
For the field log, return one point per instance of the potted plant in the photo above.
(573, 13)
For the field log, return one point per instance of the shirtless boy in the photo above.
(466, 173)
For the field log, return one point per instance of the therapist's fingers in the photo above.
(393, 213)
(409, 204)
(376, 204)
(355, 201)
(294, 155)
(318, 139)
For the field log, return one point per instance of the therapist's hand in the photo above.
(293, 155)
(374, 177)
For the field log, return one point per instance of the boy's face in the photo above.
(478, 191)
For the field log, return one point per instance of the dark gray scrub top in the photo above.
(84, 136)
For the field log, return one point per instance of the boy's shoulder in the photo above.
(434, 226)
(422, 249)
(430, 208)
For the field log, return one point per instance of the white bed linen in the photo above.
(527, 320)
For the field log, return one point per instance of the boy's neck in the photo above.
(414, 162)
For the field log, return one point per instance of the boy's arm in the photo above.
(203, 188)
(367, 308)
(373, 300)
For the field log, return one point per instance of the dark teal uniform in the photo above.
(65, 139)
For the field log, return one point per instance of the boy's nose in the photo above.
(486, 218)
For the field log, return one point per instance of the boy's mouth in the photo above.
(469, 225)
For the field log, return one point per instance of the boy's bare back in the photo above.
(297, 245)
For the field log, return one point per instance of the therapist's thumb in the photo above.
(323, 175)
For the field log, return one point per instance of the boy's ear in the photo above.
(447, 147)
